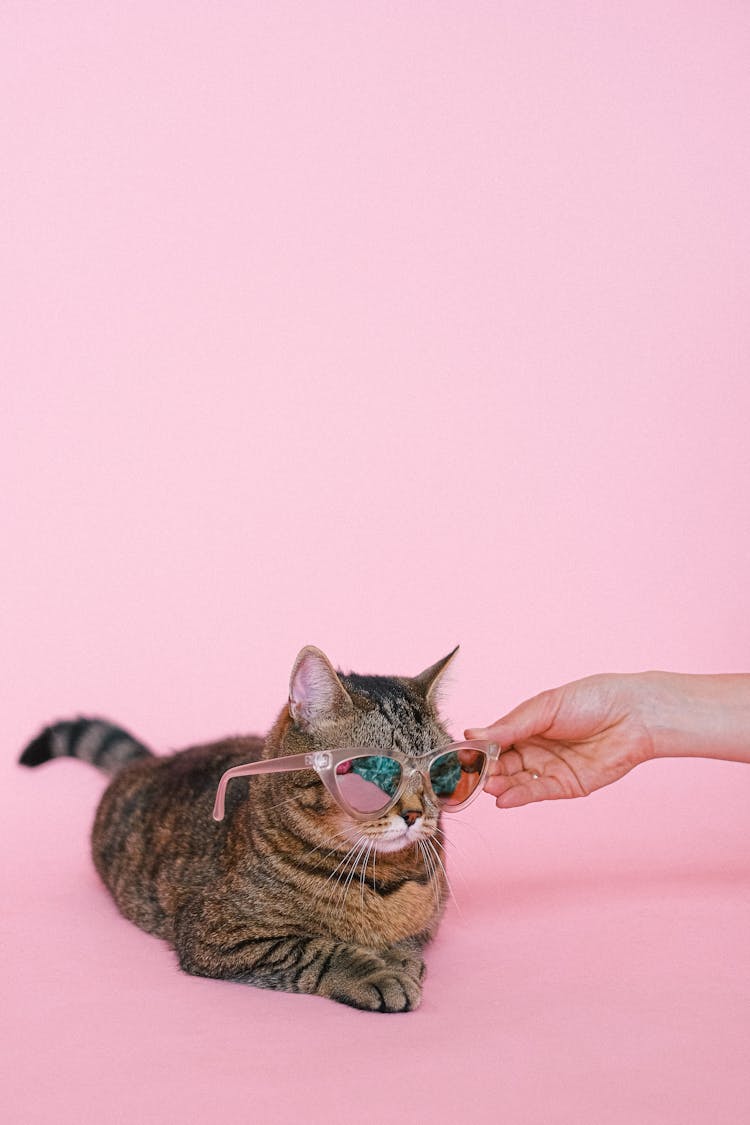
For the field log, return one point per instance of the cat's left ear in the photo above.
(429, 679)
(316, 694)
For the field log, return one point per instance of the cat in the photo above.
(288, 891)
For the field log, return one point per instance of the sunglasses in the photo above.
(368, 785)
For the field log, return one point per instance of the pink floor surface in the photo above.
(595, 968)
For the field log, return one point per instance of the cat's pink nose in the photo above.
(410, 816)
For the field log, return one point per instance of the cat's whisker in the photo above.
(344, 836)
(459, 819)
(323, 858)
(436, 877)
(486, 846)
(439, 861)
(438, 831)
(361, 856)
(419, 846)
(446, 840)
(364, 858)
(362, 877)
(341, 838)
(428, 864)
(350, 876)
(341, 872)
(333, 880)
(431, 872)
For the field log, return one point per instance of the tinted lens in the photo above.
(368, 783)
(455, 776)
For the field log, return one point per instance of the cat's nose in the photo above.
(410, 816)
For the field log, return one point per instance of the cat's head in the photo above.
(329, 710)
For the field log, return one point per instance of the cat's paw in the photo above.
(387, 988)
(405, 961)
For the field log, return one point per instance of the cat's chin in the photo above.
(391, 844)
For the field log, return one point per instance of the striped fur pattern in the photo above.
(96, 741)
(287, 892)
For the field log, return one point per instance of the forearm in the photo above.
(696, 716)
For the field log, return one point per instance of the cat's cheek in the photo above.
(372, 835)
(349, 831)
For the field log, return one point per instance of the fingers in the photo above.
(514, 782)
(524, 787)
(532, 717)
(534, 771)
(522, 795)
(510, 762)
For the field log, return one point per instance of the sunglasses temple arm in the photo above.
(270, 765)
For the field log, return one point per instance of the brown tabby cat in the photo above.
(288, 891)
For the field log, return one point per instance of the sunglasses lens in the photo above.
(367, 783)
(456, 776)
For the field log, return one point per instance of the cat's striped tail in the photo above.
(96, 741)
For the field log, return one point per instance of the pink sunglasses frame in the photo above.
(324, 762)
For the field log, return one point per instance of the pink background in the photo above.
(381, 327)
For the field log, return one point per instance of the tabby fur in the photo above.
(287, 892)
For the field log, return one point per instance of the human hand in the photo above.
(571, 740)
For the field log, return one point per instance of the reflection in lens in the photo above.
(368, 783)
(455, 776)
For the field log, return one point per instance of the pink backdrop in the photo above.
(379, 327)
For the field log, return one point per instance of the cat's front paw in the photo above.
(383, 989)
(405, 961)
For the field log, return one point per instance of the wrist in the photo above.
(696, 716)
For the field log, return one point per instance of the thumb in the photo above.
(531, 717)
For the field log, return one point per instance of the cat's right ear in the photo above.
(316, 694)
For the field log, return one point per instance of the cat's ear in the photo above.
(316, 694)
(429, 679)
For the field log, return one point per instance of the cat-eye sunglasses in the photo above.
(368, 785)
